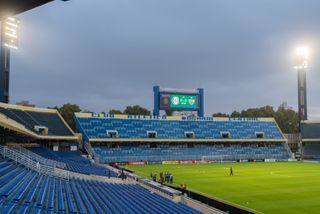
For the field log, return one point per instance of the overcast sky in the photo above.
(104, 54)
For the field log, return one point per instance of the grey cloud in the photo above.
(108, 54)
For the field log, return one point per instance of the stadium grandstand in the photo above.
(44, 136)
(310, 137)
(36, 124)
(26, 191)
(127, 138)
(46, 167)
(43, 170)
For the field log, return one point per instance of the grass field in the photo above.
(264, 187)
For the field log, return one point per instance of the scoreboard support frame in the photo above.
(157, 91)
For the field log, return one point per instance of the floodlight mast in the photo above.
(301, 65)
(8, 40)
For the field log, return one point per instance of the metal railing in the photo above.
(49, 170)
(37, 157)
(92, 153)
(286, 145)
(32, 164)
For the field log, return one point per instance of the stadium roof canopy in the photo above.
(13, 7)
(23, 121)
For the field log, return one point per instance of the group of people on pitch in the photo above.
(164, 177)
(168, 177)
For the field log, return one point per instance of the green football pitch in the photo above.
(291, 187)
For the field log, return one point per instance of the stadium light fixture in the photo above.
(302, 55)
(301, 66)
(10, 31)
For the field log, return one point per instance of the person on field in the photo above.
(184, 186)
(167, 177)
(171, 179)
(231, 171)
(185, 190)
(161, 178)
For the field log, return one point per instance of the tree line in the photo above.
(286, 118)
(67, 112)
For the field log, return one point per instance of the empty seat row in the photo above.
(230, 151)
(92, 127)
(311, 150)
(74, 161)
(37, 193)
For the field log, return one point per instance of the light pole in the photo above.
(8, 40)
(301, 65)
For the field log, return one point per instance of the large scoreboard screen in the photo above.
(179, 101)
(176, 99)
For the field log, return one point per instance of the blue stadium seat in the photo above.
(44, 194)
(31, 118)
(212, 152)
(74, 161)
(95, 128)
(311, 151)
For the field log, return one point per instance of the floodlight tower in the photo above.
(301, 65)
(8, 40)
